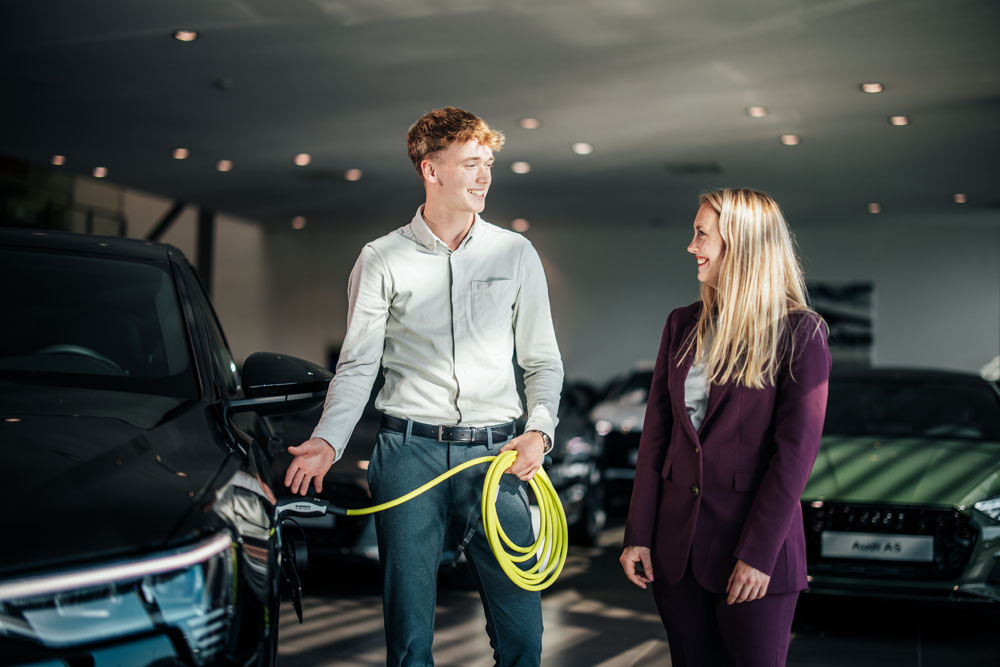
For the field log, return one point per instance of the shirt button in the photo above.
(695, 490)
(697, 451)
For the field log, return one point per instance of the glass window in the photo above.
(94, 322)
(913, 407)
(221, 356)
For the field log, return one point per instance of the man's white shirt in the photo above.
(445, 325)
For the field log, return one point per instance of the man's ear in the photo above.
(428, 170)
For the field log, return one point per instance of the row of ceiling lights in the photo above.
(875, 208)
(870, 87)
(520, 166)
(301, 160)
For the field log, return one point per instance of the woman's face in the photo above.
(707, 245)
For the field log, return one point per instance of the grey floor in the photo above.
(595, 618)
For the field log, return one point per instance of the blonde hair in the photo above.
(438, 129)
(760, 283)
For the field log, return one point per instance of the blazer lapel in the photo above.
(682, 372)
(716, 393)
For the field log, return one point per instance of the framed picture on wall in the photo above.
(847, 309)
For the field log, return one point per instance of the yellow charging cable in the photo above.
(553, 536)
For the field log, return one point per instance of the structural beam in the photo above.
(206, 246)
(161, 227)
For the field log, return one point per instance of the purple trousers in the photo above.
(704, 631)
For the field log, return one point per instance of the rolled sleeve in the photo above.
(535, 345)
(360, 356)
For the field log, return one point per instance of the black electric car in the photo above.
(137, 479)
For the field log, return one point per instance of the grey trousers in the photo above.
(411, 540)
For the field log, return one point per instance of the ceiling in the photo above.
(660, 89)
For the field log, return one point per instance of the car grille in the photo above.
(620, 447)
(954, 538)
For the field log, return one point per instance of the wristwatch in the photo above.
(546, 439)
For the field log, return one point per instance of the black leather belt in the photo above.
(450, 433)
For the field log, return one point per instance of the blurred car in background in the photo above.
(141, 524)
(576, 469)
(904, 498)
(617, 420)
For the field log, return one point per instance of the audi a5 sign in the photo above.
(919, 548)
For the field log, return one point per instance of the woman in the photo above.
(732, 428)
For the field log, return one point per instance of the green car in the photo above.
(904, 498)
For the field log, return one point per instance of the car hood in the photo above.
(82, 488)
(905, 470)
(628, 410)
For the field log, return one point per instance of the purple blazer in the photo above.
(730, 490)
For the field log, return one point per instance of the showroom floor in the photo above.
(595, 618)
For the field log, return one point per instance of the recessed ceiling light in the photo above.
(298, 222)
(100, 172)
(185, 35)
(582, 148)
(303, 159)
(520, 167)
(872, 87)
(224, 165)
(899, 120)
(181, 153)
(58, 160)
(520, 225)
(874, 207)
(791, 139)
(960, 198)
(529, 123)
(757, 111)
(353, 174)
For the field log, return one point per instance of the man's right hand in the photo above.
(632, 556)
(312, 459)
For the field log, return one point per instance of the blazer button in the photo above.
(695, 490)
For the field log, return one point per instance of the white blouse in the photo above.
(696, 389)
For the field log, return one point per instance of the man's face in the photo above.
(460, 176)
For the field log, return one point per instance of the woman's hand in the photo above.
(629, 558)
(746, 583)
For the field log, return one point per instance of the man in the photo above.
(443, 304)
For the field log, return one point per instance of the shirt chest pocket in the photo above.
(493, 304)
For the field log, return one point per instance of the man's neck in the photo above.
(450, 226)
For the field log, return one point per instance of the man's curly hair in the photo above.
(438, 129)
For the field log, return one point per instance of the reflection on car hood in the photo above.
(905, 470)
(86, 488)
(142, 410)
(629, 408)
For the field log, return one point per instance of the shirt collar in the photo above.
(425, 237)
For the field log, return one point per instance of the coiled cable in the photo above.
(549, 548)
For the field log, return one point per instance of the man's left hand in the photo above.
(530, 448)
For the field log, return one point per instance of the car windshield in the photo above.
(92, 323)
(913, 407)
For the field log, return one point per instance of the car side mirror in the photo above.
(277, 383)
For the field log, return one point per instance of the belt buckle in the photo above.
(441, 433)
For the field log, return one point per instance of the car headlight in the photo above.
(189, 589)
(990, 507)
